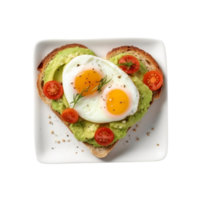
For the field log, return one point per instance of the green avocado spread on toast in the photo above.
(84, 130)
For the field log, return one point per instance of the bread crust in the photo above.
(149, 62)
(97, 151)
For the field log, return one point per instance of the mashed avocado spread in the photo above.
(84, 130)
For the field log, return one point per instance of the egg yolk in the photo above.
(88, 78)
(117, 102)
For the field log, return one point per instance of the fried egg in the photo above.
(117, 99)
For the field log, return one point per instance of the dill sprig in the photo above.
(102, 82)
(78, 96)
(127, 64)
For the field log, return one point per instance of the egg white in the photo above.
(92, 107)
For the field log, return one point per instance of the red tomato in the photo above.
(53, 90)
(104, 136)
(70, 115)
(153, 79)
(132, 64)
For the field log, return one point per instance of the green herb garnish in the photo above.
(78, 96)
(127, 64)
(102, 82)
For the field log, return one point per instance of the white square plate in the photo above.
(136, 146)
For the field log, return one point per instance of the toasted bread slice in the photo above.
(143, 56)
(97, 151)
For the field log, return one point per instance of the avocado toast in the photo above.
(149, 62)
(52, 65)
(97, 151)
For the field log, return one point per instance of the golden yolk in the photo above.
(117, 102)
(85, 79)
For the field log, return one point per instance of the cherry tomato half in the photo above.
(104, 136)
(153, 79)
(128, 68)
(70, 115)
(53, 90)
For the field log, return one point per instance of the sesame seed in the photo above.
(63, 140)
(124, 121)
(134, 129)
